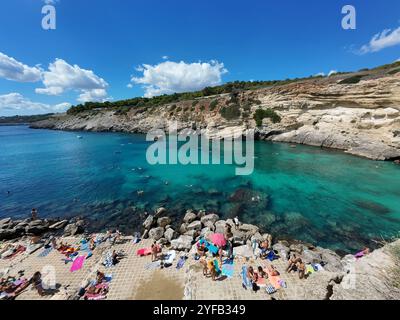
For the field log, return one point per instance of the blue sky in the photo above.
(101, 43)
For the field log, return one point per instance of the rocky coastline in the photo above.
(375, 276)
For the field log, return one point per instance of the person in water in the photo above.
(34, 214)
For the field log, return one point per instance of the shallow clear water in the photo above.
(324, 197)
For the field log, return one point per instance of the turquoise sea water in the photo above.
(325, 197)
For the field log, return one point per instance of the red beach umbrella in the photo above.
(218, 239)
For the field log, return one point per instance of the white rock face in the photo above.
(374, 277)
(362, 119)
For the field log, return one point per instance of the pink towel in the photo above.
(143, 252)
(78, 263)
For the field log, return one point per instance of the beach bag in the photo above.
(255, 287)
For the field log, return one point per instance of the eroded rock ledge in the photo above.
(362, 118)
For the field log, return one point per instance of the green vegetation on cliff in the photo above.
(261, 114)
(24, 119)
(139, 102)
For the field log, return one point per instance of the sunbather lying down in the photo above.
(11, 287)
(96, 289)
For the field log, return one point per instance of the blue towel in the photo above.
(181, 263)
(45, 252)
(245, 281)
(213, 249)
(227, 270)
(272, 256)
(216, 265)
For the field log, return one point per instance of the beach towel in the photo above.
(212, 248)
(270, 289)
(271, 256)
(19, 249)
(216, 265)
(84, 246)
(45, 252)
(108, 261)
(181, 262)
(359, 255)
(89, 296)
(318, 267)
(227, 268)
(283, 283)
(170, 256)
(261, 282)
(153, 265)
(246, 283)
(77, 264)
(32, 248)
(309, 269)
(143, 252)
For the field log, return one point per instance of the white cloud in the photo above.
(93, 95)
(129, 85)
(63, 76)
(173, 77)
(165, 57)
(320, 74)
(332, 72)
(385, 39)
(15, 103)
(14, 70)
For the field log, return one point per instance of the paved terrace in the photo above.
(131, 279)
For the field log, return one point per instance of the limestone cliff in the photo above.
(358, 113)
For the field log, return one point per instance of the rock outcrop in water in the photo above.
(361, 117)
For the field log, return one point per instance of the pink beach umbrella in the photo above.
(218, 239)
